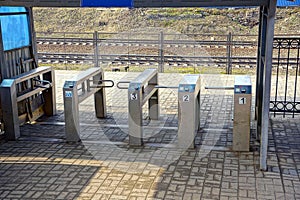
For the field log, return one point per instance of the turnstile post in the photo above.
(242, 113)
(135, 115)
(188, 110)
(71, 108)
(141, 90)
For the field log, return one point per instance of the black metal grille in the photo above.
(286, 51)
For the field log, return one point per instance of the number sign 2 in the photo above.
(186, 98)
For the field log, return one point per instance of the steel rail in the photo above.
(115, 58)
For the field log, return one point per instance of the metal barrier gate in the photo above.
(188, 110)
(141, 90)
(37, 83)
(76, 91)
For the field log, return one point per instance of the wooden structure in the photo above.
(27, 92)
(9, 59)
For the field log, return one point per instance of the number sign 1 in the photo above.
(242, 100)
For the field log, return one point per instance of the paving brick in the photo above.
(32, 169)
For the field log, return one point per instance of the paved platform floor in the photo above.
(42, 166)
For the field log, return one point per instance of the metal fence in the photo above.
(286, 98)
(166, 51)
(169, 52)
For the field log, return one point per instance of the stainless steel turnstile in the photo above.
(141, 90)
(242, 113)
(77, 90)
(188, 110)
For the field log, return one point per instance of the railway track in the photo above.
(152, 60)
(143, 42)
(151, 52)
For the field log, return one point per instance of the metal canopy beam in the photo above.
(138, 3)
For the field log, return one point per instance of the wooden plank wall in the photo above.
(10, 62)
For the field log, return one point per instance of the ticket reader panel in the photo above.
(242, 113)
(189, 110)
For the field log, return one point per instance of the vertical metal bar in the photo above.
(267, 84)
(65, 57)
(277, 75)
(161, 52)
(49, 94)
(258, 62)
(83, 87)
(153, 101)
(197, 111)
(100, 97)
(229, 61)
(260, 69)
(286, 78)
(296, 78)
(128, 46)
(195, 65)
(96, 49)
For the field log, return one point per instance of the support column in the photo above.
(261, 54)
(267, 75)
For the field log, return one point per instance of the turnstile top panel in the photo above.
(242, 80)
(69, 84)
(242, 85)
(189, 83)
(145, 76)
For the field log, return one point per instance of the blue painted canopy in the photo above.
(107, 3)
(14, 27)
(130, 3)
(286, 3)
